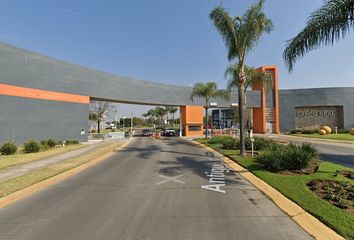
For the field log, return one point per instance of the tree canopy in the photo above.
(325, 26)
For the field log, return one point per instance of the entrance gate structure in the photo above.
(41, 97)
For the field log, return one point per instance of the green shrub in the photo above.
(231, 143)
(296, 131)
(342, 131)
(259, 143)
(291, 157)
(219, 139)
(48, 143)
(308, 131)
(8, 148)
(71, 142)
(31, 146)
(304, 131)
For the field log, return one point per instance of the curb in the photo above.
(20, 194)
(309, 223)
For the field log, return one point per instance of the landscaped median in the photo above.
(19, 187)
(333, 136)
(305, 188)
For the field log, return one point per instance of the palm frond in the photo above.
(253, 77)
(222, 94)
(325, 26)
(226, 27)
(207, 91)
(231, 74)
(255, 23)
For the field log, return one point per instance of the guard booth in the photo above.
(192, 120)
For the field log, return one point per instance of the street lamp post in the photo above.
(213, 104)
(234, 106)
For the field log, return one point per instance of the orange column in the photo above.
(276, 100)
(260, 113)
(192, 120)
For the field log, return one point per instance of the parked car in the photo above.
(146, 132)
(169, 132)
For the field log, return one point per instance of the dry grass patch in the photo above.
(18, 183)
(20, 158)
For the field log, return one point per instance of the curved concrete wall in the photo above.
(289, 99)
(27, 69)
(22, 118)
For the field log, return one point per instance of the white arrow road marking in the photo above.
(170, 179)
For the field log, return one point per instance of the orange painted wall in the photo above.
(258, 123)
(192, 116)
(15, 91)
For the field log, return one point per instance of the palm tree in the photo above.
(253, 77)
(160, 113)
(241, 34)
(94, 118)
(173, 110)
(325, 26)
(208, 91)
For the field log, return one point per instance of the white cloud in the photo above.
(72, 12)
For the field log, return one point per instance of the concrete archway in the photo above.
(41, 97)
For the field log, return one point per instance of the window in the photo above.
(194, 128)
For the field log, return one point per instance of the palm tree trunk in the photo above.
(206, 124)
(173, 119)
(241, 110)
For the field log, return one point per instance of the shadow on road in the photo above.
(144, 152)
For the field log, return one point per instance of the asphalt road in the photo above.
(150, 190)
(339, 153)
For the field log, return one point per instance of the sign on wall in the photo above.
(313, 117)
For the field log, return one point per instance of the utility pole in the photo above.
(116, 123)
(123, 121)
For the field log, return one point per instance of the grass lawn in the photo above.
(333, 136)
(18, 183)
(19, 158)
(294, 187)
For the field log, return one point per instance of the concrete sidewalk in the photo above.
(20, 170)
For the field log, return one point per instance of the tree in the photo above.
(156, 113)
(207, 91)
(241, 34)
(325, 26)
(173, 110)
(98, 111)
(160, 113)
(253, 77)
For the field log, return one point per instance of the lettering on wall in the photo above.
(313, 117)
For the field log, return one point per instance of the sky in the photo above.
(168, 41)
